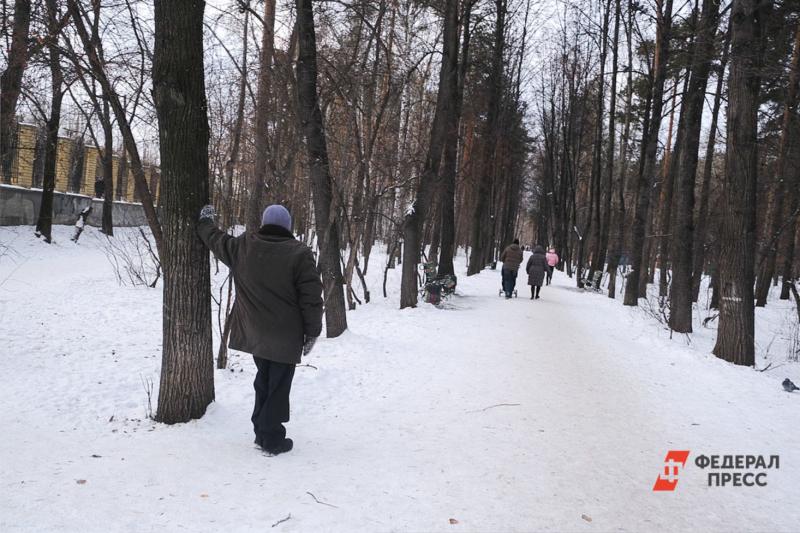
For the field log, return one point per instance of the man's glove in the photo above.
(309, 344)
(208, 213)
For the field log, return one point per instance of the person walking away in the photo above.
(277, 315)
(536, 267)
(552, 261)
(511, 259)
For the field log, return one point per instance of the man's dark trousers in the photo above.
(509, 280)
(272, 385)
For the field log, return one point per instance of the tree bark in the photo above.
(608, 184)
(450, 155)
(700, 246)
(480, 239)
(736, 332)
(255, 201)
(648, 158)
(107, 159)
(784, 166)
(442, 125)
(44, 225)
(668, 177)
(11, 83)
(680, 318)
(595, 185)
(321, 181)
(187, 367)
(618, 212)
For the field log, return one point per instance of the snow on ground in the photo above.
(515, 415)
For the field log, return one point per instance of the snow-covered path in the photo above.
(515, 415)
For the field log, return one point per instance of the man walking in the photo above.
(511, 259)
(277, 314)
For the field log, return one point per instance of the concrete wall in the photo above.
(20, 207)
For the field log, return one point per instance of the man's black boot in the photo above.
(276, 449)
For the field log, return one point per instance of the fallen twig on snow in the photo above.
(769, 367)
(321, 502)
(493, 406)
(282, 520)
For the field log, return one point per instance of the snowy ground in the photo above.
(401, 426)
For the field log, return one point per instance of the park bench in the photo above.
(436, 288)
(594, 283)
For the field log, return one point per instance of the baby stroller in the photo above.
(502, 292)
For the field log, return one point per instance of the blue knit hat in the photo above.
(277, 215)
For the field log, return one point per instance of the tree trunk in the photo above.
(187, 367)
(230, 167)
(736, 332)
(450, 155)
(680, 318)
(321, 182)
(11, 83)
(107, 159)
(596, 188)
(648, 159)
(480, 239)
(260, 135)
(442, 123)
(618, 212)
(668, 176)
(44, 225)
(784, 166)
(608, 184)
(788, 255)
(700, 246)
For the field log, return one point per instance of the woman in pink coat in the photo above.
(552, 261)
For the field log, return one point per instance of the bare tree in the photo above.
(187, 365)
(442, 124)
(10, 83)
(44, 224)
(736, 332)
(647, 161)
(324, 211)
(680, 318)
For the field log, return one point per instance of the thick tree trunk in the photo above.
(321, 182)
(648, 159)
(784, 166)
(11, 83)
(187, 367)
(736, 332)
(442, 125)
(44, 225)
(680, 318)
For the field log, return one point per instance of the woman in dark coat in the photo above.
(536, 267)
